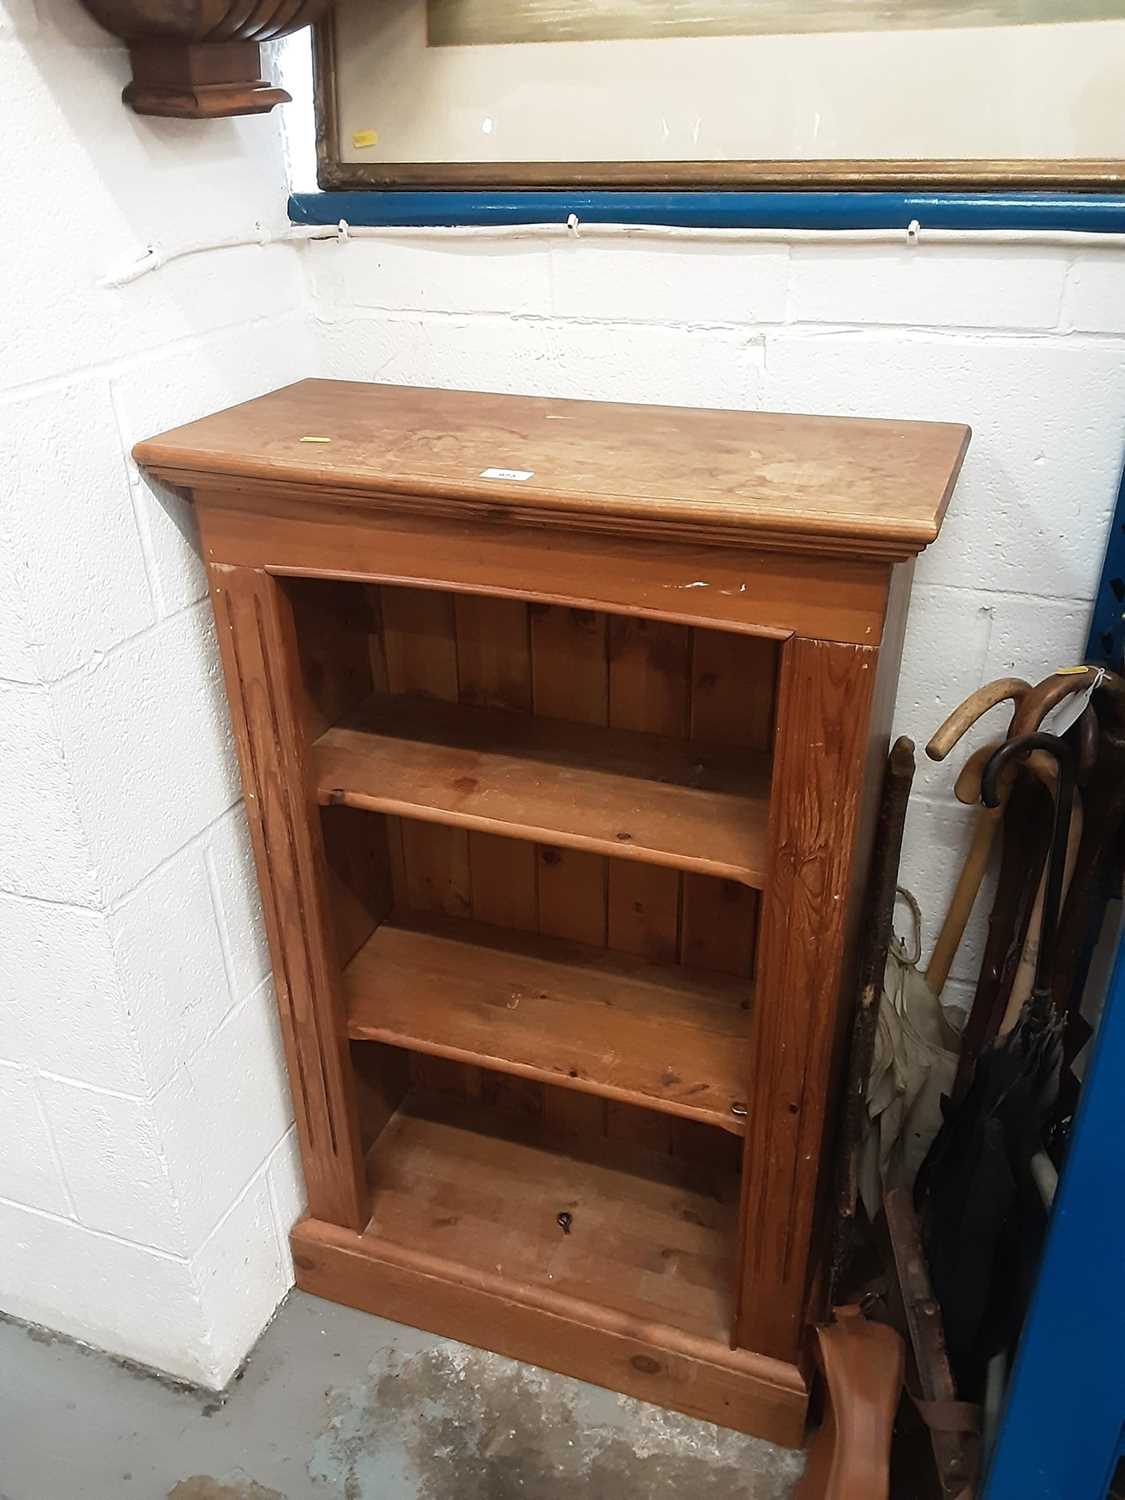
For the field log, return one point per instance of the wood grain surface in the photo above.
(649, 1236)
(878, 487)
(484, 662)
(637, 797)
(729, 587)
(644, 1358)
(820, 760)
(259, 653)
(601, 1023)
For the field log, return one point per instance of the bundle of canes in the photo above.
(1023, 814)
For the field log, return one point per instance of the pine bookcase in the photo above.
(560, 726)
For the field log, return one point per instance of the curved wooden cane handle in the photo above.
(967, 786)
(963, 899)
(1046, 695)
(975, 706)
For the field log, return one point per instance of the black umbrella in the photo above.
(981, 1213)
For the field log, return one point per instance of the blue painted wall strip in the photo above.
(1098, 212)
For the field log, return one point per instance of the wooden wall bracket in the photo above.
(201, 60)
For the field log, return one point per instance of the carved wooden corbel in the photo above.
(200, 59)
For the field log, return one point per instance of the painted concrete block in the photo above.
(216, 294)
(241, 165)
(151, 397)
(52, 323)
(120, 1297)
(287, 1193)
(148, 784)
(936, 286)
(430, 275)
(17, 658)
(44, 848)
(594, 361)
(943, 661)
(472, 353)
(166, 522)
(69, 517)
(648, 363)
(62, 1007)
(239, 905)
(169, 955)
(141, 190)
(164, 1171)
(1032, 506)
(115, 1165)
(29, 1173)
(223, 1113)
(1033, 637)
(177, 385)
(670, 283)
(1095, 294)
(241, 1278)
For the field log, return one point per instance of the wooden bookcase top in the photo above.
(857, 486)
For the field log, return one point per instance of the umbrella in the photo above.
(982, 1215)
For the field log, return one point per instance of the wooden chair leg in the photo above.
(864, 1365)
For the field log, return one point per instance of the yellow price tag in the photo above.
(362, 138)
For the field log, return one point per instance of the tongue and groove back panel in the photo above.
(560, 663)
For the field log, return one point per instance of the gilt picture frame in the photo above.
(973, 95)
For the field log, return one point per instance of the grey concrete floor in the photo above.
(335, 1403)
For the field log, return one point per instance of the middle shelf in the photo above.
(637, 796)
(660, 1036)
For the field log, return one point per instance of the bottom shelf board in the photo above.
(465, 1240)
(650, 1236)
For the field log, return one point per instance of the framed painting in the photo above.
(722, 93)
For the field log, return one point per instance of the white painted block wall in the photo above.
(147, 1173)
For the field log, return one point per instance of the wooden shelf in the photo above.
(603, 1023)
(636, 796)
(477, 1195)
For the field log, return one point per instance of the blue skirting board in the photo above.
(1097, 212)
